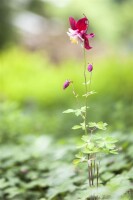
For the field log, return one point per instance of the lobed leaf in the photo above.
(77, 112)
(99, 125)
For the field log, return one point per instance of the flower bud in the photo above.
(66, 84)
(90, 67)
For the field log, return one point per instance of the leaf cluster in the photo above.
(99, 143)
(40, 168)
(77, 112)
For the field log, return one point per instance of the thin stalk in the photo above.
(90, 81)
(94, 167)
(89, 171)
(90, 167)
(92, 177)
(89, 174)
(85, 116)
(97, 175)
(86, 89)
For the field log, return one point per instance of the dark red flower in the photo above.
(78, 32)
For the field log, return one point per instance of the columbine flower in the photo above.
(90, 67)
(78, 32)
(66, 84)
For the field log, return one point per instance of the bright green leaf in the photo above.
(99, 125)
(89, 93)
(76, 127)
(69, 111)
(85, 138)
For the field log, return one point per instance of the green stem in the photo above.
(86, 89)
(85, 117)
(90, 81)
(94, 167)
(90, 167)
(89, 172)
(97, 175)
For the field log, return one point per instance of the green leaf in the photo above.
(77, 112)
(83, 125)
(90, 151)
(90, 145)
(99, 125)
(42, 199)
(3, 183)
(109, 146)
(105, 143)
(81, 146)
(79, 160)
(111, 139)
(76, 127)
(85, 138)
(92, 124)
(107, 176)
(76, 161)
(83, 108)
(89, 93)
(114, 151)
(69, 111)
(13, 191)
(79, 155)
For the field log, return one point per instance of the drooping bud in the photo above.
(66, 84)
(90, 67)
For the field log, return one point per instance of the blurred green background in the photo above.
(36, 57)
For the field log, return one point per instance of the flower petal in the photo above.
(72, 23)
(91, 35)
(82, 24)
(86, 43)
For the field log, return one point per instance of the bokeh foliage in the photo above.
(111, 20)
(36, 166)
(41, 168)
(31, 79)
(6, 28)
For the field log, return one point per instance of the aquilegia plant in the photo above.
(93, 144)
